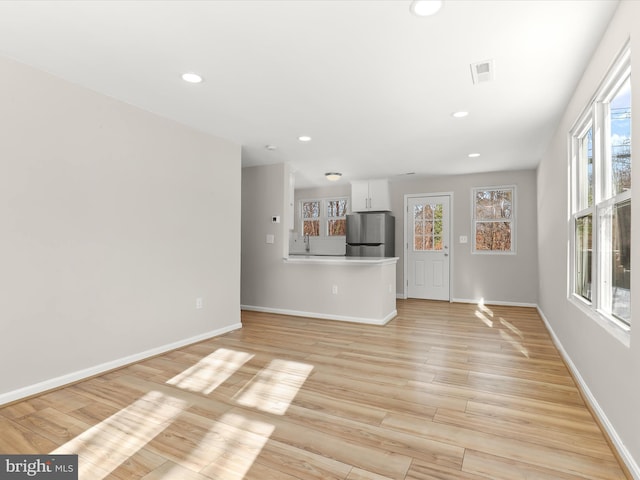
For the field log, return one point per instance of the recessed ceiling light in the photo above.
(425, 8)
(192, 77)
(473, 155)
(304, 138)
(270, 147)
(460, 114)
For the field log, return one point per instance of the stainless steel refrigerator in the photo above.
(370, 234)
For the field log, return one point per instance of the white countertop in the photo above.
(340, 260)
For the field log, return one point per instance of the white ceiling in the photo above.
(373, 85)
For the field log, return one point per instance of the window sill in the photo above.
(492, 252)
(620, 332)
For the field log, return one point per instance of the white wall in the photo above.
(263, 196)
(270, 284)
(494, 278)
(112, 222)
(608, 369)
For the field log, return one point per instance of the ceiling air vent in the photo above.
(482, 71)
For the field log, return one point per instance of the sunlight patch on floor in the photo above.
(105, 446)
(210, 372)
(274, 387)
(484, 308)
(512, 327)
(243, 440)
(515, 343)
(485, 320)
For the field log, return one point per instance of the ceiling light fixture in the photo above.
(333, 176)
(473, 155)
(192, 77)
(304, 138)
(460, 114)
(425, 8)
(270, 147)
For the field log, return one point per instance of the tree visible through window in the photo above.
(337, 217)
(493, 219)
(311, 218)
(427, 227)
(601, 199)
(324, 217)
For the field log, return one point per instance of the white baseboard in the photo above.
(494, 302)
(629, 461)
(105, 367)
(323, 316)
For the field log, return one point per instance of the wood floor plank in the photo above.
(343, 449)
(16, 438)
(443, 391)
(427, 471)
(54, 425)
(528, 431)
(499, 468)
(516, 450)
(171, 470)
(140, 464)
(551, 417)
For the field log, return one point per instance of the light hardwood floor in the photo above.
(444, 391)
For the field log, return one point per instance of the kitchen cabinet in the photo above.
(370, 196)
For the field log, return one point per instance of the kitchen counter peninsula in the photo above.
(340, 260)
(352, 289)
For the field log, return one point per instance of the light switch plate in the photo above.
(270, 238)
(463, 239)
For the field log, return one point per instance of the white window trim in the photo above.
(594, 115)
(514, 203)
(324, 219)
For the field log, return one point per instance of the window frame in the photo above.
(324, 218)
(597, 115)
(512, 220)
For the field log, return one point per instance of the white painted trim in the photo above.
(401, 296)
(629, 461)
(494, 302)
(323, 316)
(107, 366)
(405, 239)
(513, 220)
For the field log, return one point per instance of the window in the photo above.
(427, 227)
(336, 217)
(493, 220)
(324, 217)
(311, 218)
(601, 199)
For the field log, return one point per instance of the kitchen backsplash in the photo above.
(317, 245)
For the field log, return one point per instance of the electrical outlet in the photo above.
(463, 239)
(199, 303)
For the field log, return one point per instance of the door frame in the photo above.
(405, 249)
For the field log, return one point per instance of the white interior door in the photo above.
(427, 245)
